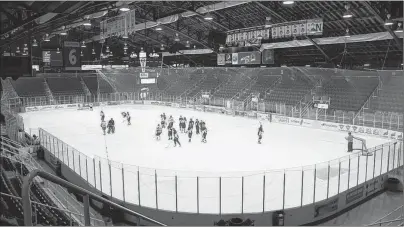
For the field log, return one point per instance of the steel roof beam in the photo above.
(380, 20)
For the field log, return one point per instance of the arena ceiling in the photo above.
(23, 21)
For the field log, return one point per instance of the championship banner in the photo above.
(268, 56)
(248, 36)
(297, 28)
(221, 59)
(249, 58)
(120, 25)
(71, 55)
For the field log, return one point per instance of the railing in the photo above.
(236, 192)
(26, 200)
(395, 218)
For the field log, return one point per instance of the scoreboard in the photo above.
(52, 58)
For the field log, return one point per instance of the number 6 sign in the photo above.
(71, 55)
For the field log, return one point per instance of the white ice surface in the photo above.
(231, 151)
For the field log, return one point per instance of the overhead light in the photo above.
(162, 47)
(124, 52)
(159, 28)
(17, 50)
(125, 47)
(347, 14)
(388, 21)
(87, 23)
(221, 47)
(268, 22)
(124, 8)
(187, 45)
(46, 39)
(194, 47)
(83, 44)
(133, 55)
(63, 33)
(208, 17)
(25, 53)
(288, 2)
(308, 65)
(347, 35)
(399, 28)
(125, 36)
(107, 50)
(93, 51)
(25, 47)
(177, 38)
(81, 54)
(142, 52)
(34, 43)
(58, 51)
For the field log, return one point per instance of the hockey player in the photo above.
(176, 138)
(190, 132)
(170, 133)
(185, 123)
(191, 124)
(111, 126)
(171, 122)
(163, 123)
(123, 114)
(204, 133)
(128, 118)
(197, 126)
(158, 132)
(102, 115)
(103, 126)
(180, 123)
(350, 138)
(260, 132)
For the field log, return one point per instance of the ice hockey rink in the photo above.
(231, 151)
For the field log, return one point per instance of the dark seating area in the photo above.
(351, 93)
(97, 85)
(391, 95)
(29, 87)
(65, 86)
(289, 91)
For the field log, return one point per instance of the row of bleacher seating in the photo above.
(346, 92)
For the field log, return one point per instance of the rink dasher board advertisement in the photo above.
(51, 107)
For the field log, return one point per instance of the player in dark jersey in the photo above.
(260, 132)
(197, 126)
(190, 132)
(111, 126)
(204, 134)
(128, 118)
(180, 123)
(176, 138)
(170, 133)
(102, 115)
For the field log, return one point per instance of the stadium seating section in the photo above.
(29, 87)
(348, 90)
(65, 86)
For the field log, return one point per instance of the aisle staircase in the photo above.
(85, 88)
(49, 93)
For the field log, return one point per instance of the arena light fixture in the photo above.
(34, 43)
(25, 47)
(107, 49)
(17, 50)
(58, 51)
(208, 17)
(46, 38)
(399, 28)
(133, 55)
(125, 47)
(162, 47)
(347, 35)
(177, 38)
(268, 22)
(83, 44)
(288, 2)
(25, 53)
(63, 33)
(347, 14)
(124, 8)
(158, 28)
(81, 54)
(87, 23)
(187, 45)
(125, 36)
(388, 21)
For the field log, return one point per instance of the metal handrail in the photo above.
(26, 200)
(379, 221)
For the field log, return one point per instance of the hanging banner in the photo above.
(221, 59)
(71, 55)
(120, 25)
(248, 36)
(297, 28)
(268, 56)
(228, 59)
